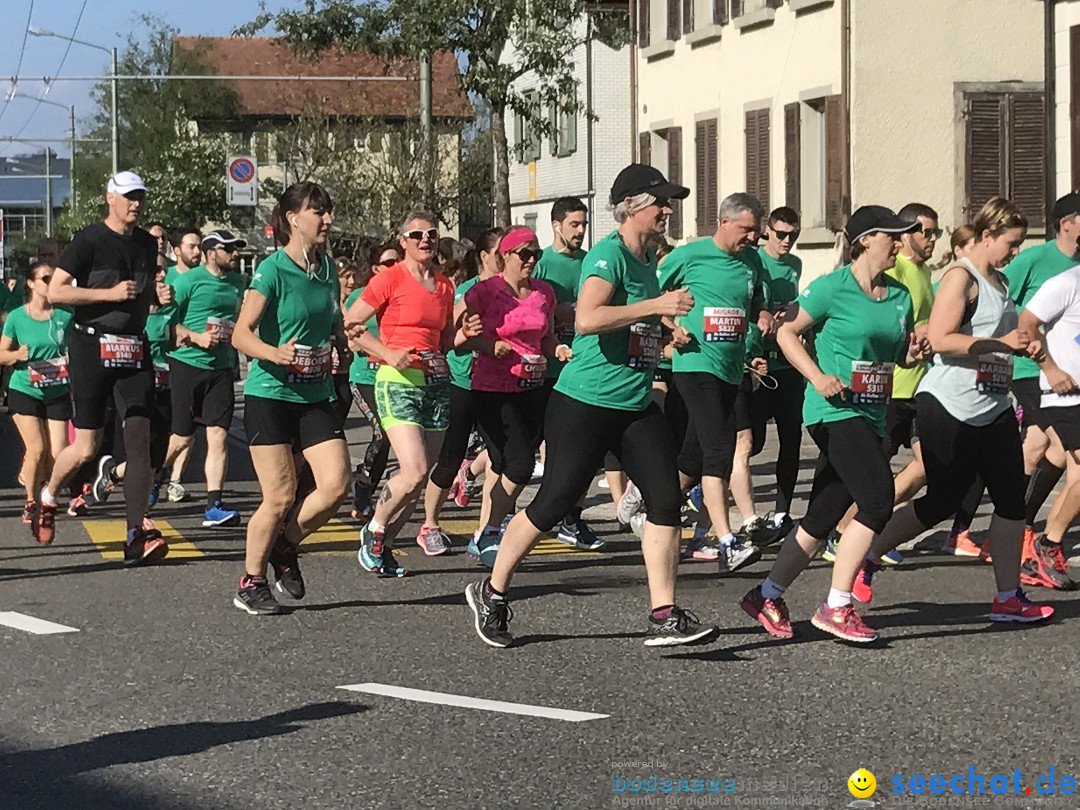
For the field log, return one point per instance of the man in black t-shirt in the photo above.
(107, 277)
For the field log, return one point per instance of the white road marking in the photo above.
(444, 699)
(39, 627)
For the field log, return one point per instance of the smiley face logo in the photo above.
(861, 783)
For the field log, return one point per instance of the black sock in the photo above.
(490, 592)
(1040, 485)
(213, 496)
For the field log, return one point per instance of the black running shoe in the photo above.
(286, 564)
(491, 616)
(681, 627)
(255, 597)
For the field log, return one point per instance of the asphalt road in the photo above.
(168, 697)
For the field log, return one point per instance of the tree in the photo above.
(540, 34)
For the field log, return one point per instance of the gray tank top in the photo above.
(975, 389)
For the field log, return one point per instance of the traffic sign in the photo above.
(241, 181)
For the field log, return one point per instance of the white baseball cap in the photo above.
(125, 183)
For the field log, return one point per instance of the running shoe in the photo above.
(175, 492)
(960, 544)
(145, 547)
(892, 557)
(155, 492)
(772, 614)
(695, 499)
(1018, 608)
(491, 617)
(702, 547)
(28, 512)
(104, 482)
(629, 504)
(1046, 567)
(433, 540)
(579, 534)
(831, 542)
(679, 627)
(484, 546)
(255, 597)
(844, 623)
(43, 523)
(776, 531)
(863, 587)
(371, 549)
(460, 490)
(736, 555)
(285, 560)
(218, 515)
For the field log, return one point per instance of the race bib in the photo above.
(46, 373)
(645, 345)
(310, 364)
(121, 351)
(723, 325)
(531, 371)
(433, 364)
(161, 376)
(223, 326)
(994, 373)
(871, 383)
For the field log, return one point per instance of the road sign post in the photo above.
(241, 181)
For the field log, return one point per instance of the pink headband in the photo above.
(515, 237)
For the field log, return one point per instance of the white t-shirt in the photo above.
(1057, 305)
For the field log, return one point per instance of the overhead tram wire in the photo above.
(22, 53)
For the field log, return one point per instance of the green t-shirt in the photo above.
(1026, 273)
(460, 360)
(852, 328)
(615, 369)
(362, 368)
(563, 272)
(45, 341)
(301, 306)
(781, 284)
(723, 286)
(199, 298)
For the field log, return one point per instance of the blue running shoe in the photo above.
(218, 515)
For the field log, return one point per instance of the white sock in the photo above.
(376, 527)
(778, 518)
(771, 589)
(838, 598)
(1005, 595)
(47, 497)
(727, 540)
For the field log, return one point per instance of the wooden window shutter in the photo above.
(687, 16)
(674, 174)
(1027, 155)
(673, 27)
(645, 148)
(985, 171)
(644, 23)
(1074, 102)
(836, 189)
(720, 12)
(793, 155)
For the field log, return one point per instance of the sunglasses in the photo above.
(931, 233)
(528, 255)
(430, 233)
(783, 236)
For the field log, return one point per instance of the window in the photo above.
(687, 16)
(673, 137)
(757, 155)
(705, 164)
(643, 23)
(1006, 152)
(526, 136)
(793, 156)
(674, 29)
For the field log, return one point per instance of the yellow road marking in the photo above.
(109, 535)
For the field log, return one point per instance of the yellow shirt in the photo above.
(916, 277)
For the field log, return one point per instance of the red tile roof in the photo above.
(266, 56)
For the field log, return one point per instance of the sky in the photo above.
(103, 22)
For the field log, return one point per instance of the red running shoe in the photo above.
(772, 614)
(844, 623)
(145, 547)
(1018, 608)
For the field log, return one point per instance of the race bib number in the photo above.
(994, 373)
(310, 364)
(644, 346)
(434, 366)
(531, 371)
(724, 325)
(223, 326)
(46, 373)
(161, 376)
(871, 383)
(121, 351)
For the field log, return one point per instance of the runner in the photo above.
(518, 317)
(206, 302)
(370, 471)
(113, 263)
(34, 343)
(861, 319)
(413, 304)
(966, 423)
(286, 324)
(602, 402)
